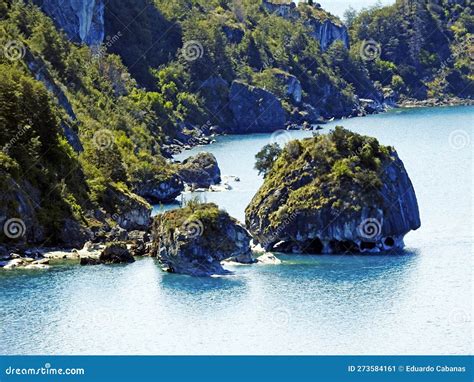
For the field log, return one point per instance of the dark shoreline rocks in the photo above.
(116, 253)
(435, 102)
(334, 194)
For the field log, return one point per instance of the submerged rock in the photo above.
(195, 239)
(334, 193)
(200, 171)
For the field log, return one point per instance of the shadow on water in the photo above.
(351, 267)
(364, 287)
(206, 295)
(178, 284)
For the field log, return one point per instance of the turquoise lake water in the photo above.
(417, 302)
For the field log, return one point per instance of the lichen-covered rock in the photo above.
(200, 171)
(116, 253)
(195, 239)
(160, 189)
(82, 20)
(334, 193)
(255, 109)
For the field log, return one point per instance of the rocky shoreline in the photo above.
(435, 102)
(207, 134)
(331, 193)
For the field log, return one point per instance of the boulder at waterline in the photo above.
(200, 171)
(195, 239)
(160, 188)
(116, 253)
(334, 193)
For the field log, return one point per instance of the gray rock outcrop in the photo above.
(157, 190)
(293, 86)
(195, 240)
(200, 171)
(255, 109)
(327, 32)
(128, 210)
(81, 20)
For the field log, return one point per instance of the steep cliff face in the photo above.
(328, 32)
(39, 69)
(323, 27)
(82, 20)
(255, 109)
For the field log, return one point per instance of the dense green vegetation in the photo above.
(114, 120)
(424, 47)
(341, 170)
(77, 122)
(421, 51)
(237, 40)
(198, 221)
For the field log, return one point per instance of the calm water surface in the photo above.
(417, 302)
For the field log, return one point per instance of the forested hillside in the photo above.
(422, 48)
(92, 97)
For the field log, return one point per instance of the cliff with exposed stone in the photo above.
(81, 20)
(334, 194)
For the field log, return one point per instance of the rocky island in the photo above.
(194, 240)
(334, 193)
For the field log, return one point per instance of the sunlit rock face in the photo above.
(328, 32)
(81, 20)
(323, 27)
(334, 193)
